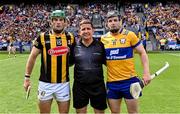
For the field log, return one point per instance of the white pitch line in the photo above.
(13, 58)
(178, 55)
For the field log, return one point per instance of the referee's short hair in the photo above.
(85, 21)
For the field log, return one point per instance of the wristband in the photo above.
(27, 76)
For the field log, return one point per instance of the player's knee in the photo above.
(81, 110)
(132, 110)
(115, 110)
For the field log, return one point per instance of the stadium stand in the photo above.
(154, 21)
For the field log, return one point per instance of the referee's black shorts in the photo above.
(96, 93)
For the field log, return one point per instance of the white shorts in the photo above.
(11, 48)
(58, 91)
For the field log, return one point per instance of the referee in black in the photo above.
(88, 56)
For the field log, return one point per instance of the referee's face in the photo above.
(86, 31)
(58, 24)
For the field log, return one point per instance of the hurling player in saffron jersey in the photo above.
(119, 45)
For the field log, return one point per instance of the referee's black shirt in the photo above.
(88, 62)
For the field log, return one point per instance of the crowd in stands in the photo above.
(165, 21)
(25, 22)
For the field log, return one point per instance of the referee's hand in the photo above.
(27, 83)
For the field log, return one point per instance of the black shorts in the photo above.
(96, 93)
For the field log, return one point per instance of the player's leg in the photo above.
(62, 96)
(14, 51)
(63, 107)
(114, 97)
(115, 105)
(45, 106)
(45, 96)
(131, 103)
(132, 106)
(9, 51)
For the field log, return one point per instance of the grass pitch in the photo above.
(161, 96)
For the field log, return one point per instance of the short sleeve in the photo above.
(134, 39)
(37, 42)
(72, 38)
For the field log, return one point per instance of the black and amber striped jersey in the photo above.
(54, 56)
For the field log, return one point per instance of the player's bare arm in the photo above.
(29, 66)
(145, 62)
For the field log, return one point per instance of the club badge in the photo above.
(122, 40)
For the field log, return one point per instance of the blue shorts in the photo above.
(121, 89)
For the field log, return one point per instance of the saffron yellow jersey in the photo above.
(120, 55)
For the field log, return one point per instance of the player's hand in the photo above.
(146, 79)
(27, 83)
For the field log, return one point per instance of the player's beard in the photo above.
(114, 30)
(58, 31)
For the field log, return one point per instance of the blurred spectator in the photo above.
(162, 44)
(25, 22)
